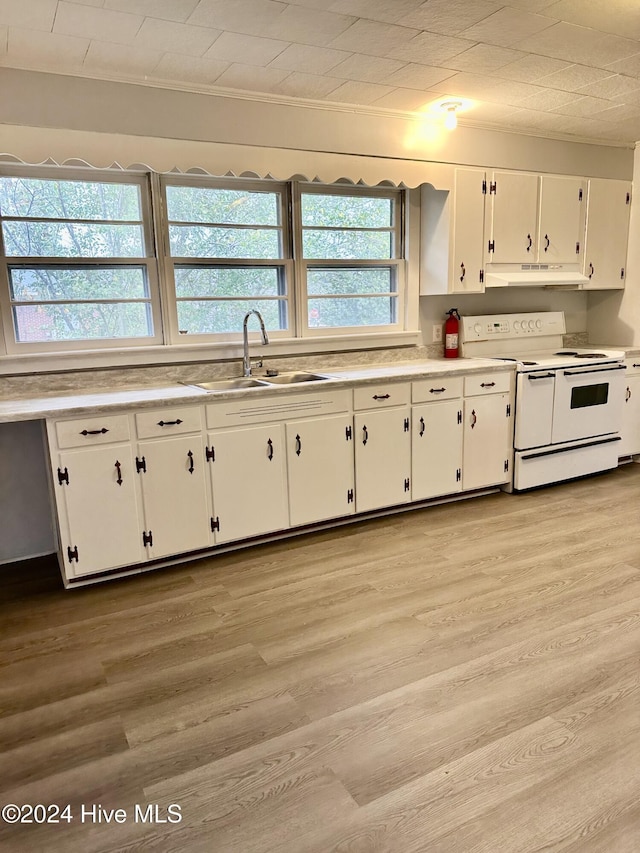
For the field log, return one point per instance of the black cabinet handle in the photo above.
(546, 237)
(169, 423)
(421, 433)
(628, 397)
(601, 370)
(530, 244)
(436, 390)
(463, 272)
(474, 418)
(487, 384)
(119, 470)
(381, 396)
(365, 435)
(190, 455)
(532, 376)
(298, 445)
(94, 431)
(591, 270)
(270, 450)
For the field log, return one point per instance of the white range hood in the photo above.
(533, 275)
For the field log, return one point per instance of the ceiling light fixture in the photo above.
(450, 113)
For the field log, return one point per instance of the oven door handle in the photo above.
(601, 370)
(532, 376)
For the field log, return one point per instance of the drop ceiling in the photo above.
(566, 68)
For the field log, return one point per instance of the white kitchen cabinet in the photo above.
(452, 242)
(436, 449)
(561, 221)
(248, 481)
(320, 467)
(607, 231)
(382, 457)
(630, 431)
(174, 495)
(486, 456)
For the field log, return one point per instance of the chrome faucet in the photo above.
(246, 361)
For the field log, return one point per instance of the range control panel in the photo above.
(496, 327)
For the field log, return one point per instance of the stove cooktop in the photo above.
(561, 358)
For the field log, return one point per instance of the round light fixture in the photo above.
(450, 113)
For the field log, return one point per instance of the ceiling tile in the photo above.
(45, 50)
(531, 68)
(253, 49)
(449, 17)
(155, 34)
(619, 17)
(374, 38)
(312, 60)
(430, 49)
(359, 93)
(368, 69)
(484, 58)
(465, 85)
(616, 88)
(547, 99)
(415, 76)
(188, 69)
(405, 99)
(100, 24)
(120, 59)
(168, 10)
(301, 85)
(530, 5)
(390, 11)
(483, 111)
(507, 27)
(35, 15)
(242, 16)
(96, 3)
(239, 76)
(308, 26)
(630, 66)
(579, 44)
(573, 78)
(619, 112)
(583, 106)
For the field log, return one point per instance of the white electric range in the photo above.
(568, 409)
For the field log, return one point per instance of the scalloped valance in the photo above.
(48, 146)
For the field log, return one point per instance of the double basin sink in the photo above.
(242, 382)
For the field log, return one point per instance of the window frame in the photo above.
(169, 262)
(148, 262)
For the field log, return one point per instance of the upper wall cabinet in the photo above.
(535, 218)
(605, 255)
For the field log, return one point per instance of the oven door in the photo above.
(534, 409)
(588, 402)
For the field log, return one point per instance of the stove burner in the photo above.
(566, 352)
(589, 355)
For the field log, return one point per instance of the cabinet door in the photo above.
(436, 449)
(383, 458)
(247, 469)
(514, 215)
(562, 206)
(99, 519)
(605, 256)
(174, 495)
(468, 232)
(487, 441)
(320, 469)
(630, 431)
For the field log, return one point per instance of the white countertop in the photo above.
(98, 401)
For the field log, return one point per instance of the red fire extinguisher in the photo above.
(451, 328)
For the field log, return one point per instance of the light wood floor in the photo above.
(458, 679)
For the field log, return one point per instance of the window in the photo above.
(227, 250)
(75, 261)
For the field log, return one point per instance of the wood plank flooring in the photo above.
(459, 679)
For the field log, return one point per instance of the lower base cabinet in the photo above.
(630, 432)
(382, 457)
(436, 449)
(487, 441)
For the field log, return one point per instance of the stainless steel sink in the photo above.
(294, 377)
(238, 384)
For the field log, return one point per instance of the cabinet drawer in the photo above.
(633, 365)
(427, 390)
(278, 406)
(168, 422)
(378, 396)
(91, 431)
(487, 383)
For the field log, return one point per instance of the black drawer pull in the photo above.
(191, 466)
(118, 467)
(532, 376)
(422, 427)
(169, 423)
(487, 384)
(603, 369)
(381, 396)
(436, 390)
(94, 431)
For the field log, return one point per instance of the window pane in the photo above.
(348, 245)
(211, 316)
(340, 211)
(336, 311)
(37, 284)
(76, 322)
(63, 199)
(208, 242)
(328, 281)
(66, 240)
(228, 281)
(235, 207)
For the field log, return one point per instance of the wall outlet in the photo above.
(437, 334)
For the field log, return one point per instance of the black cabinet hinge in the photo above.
(459, 416)
(406, 424)
(577, 248)
(141, 465)
(458, 475)
(580, 194)
(407, 485)
(628, 198)
(147, 538)
(210, 454)
(506, 465)
(622, 272)
(481, 276)
(63, 476)
(484, 188)
(72, 553)
(215, 524)
(508, 410)
(492, 245)
(349, 496)
(493, 188)
(348, 433)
